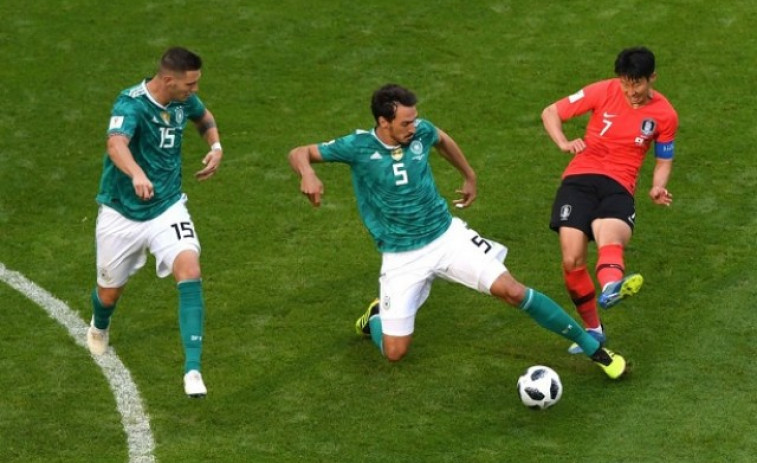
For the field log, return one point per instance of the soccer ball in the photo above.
(539, 387)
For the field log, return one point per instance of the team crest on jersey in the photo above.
(397, 153)
(647, 127)
(179, 115)
(166, 116)
(416, 147)
(565, 211)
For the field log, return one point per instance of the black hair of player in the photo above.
(635, 63)
(178, 59)
(385, 100)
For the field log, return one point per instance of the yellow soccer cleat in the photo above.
(614, 365)
(616, 291)
(361, 325)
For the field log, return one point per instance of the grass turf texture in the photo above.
(288, 380)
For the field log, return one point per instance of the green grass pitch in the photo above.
(288, 380)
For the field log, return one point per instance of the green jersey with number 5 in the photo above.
(397, 196)
(154, 132)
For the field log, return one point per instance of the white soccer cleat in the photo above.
(97, 339)
(193, 385)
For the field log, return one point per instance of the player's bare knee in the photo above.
(108, 301)
(570, 263)
(395, 354)
(184, 275)
(109, 296)
(508, 289)
(395, 349)
(186, 266)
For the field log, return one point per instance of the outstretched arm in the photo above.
(450, 151)
(301, 159)
(553, 125)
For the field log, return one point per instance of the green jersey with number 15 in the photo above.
(155, 133)
(397, 196)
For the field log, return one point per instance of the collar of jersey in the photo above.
(389, 147)
(149, 96)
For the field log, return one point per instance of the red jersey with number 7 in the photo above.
(618, 136)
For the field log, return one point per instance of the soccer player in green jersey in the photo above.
(142, 206)
(412, 227)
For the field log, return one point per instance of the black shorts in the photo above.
(583, 198)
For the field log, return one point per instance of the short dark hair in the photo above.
(635, 63)
(385, 100)
(178, 59)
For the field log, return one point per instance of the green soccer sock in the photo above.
(377, 336)
(100, 312)
(191, 321)
(551, 316)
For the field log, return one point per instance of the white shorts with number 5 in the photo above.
(460, 255)
(122, 244)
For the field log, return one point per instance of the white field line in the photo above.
(135, 421)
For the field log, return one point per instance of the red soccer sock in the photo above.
(610, 264)
(581, 289)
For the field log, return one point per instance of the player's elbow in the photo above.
(304, 155)
(293, 154)
(116, 142)
(549, 113)
(299, 159)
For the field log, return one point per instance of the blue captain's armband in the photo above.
(664, 150)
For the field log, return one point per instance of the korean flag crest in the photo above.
(647, 127)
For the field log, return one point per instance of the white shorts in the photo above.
(122, 243)
(460, 255)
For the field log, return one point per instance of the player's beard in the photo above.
(406, 140)
(183, 97)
